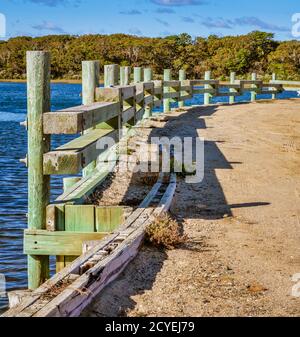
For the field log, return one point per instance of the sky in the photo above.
(148, 17)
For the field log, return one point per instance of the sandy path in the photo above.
(243, 223)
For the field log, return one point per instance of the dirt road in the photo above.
(243, 222)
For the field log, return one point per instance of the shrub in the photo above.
(165, 232)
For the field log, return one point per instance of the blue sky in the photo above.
(149, 17)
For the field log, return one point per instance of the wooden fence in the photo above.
(59, 229)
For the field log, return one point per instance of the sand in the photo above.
(243, 222)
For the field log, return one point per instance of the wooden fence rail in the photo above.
(60, 228)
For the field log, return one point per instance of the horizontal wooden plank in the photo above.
(227, 94)
(112, 94)
(71, 158)
(77, 119)
(149, 86)
(140, 114)
(85, 140)
(139, 97)
(148, 100)
(172, 84)
(171, 94)
(274, 85)
(184, 97)
(186, 88)
(41, 242)
(128, 91)
(230, 86)
(128, 114)
(292, 83)
(158, 91)
(86, 186)
(204, 91)
(249, 82)
(269, 92)
(157, 103)
(204, 82)
(116, 93)
(291, 88)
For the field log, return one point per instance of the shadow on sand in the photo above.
(209, 202)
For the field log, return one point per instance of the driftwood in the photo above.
(70, 291)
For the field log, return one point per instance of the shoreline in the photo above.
(52, 81)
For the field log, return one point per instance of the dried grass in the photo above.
(165, 232)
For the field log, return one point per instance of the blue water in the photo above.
(13, 175)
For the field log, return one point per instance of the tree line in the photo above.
(255, 52)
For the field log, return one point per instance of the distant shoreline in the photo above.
(52, 81)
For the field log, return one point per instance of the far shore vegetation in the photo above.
(255, 52)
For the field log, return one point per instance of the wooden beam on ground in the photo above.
(36, 301)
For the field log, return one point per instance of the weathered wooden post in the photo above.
(207, 96)
(232, 81)
(253, 93)
(137, 75)
(166, 90)
(125, 75)
(90, 81)
(111, 75)
(273, 79)
(148, 77)
(182, 78)
(38, 102)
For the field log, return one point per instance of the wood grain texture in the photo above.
(42, 242)
(38, 102)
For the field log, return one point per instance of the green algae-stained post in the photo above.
(207, 96)
(148, 77)
(167, 101)
(90, 81)
(111, 75)
(232, 81)
(125, 73)
(253, 93)
(38, 102)
(182, 77)
(138, 74)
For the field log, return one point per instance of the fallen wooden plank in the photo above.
(35, 302)
(72, 301)
(28, 306)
